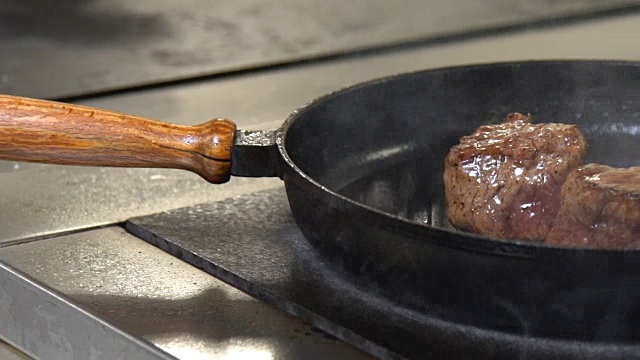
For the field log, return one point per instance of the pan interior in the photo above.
(383, 144)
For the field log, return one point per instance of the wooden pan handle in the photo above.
(50, 132)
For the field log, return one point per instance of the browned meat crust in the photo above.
(600, 209)
(504, 180)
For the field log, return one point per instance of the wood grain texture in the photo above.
(57, 133)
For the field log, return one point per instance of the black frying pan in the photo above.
(363, 173)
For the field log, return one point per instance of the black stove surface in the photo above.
(252, 243)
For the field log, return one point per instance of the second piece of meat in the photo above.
(504, 180)
(600, 209)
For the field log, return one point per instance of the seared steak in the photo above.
(600, 209)
(504, 180)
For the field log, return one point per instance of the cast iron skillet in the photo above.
(363, 173)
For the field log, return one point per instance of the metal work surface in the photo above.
(150, 295)
(253, 243)
(71, 199)
(54, 50)
(49, 326)
(41, 200)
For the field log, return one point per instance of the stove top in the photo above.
(252, 242)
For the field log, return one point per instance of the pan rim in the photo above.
(445, 237)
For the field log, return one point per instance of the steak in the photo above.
(504, 180)
(600, 209)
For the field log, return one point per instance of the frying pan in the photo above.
(362, 168)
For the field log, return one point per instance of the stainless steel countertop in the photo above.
(51, 52)
(150, 294)
(138, 287)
